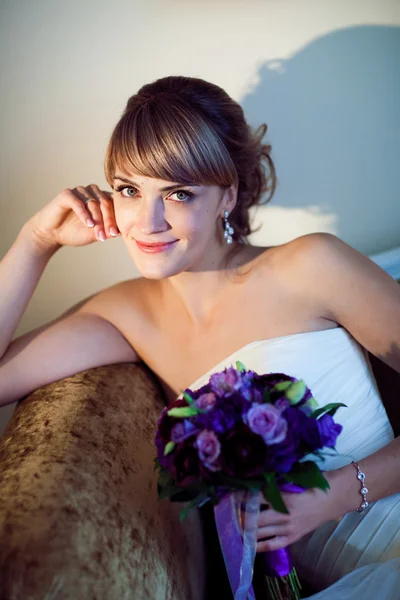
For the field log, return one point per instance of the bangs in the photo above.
(169, 140)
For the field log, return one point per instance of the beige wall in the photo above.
(324, 75)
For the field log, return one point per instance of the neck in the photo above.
(199, 294)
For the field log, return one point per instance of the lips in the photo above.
(155, 246)
(152, 244)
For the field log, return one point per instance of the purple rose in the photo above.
(206, 401)
(209, 449)
(243, 453)
(182, 430)
(226, 382)
(266, 420)
(328, 430)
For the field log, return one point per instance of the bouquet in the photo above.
(240, 434)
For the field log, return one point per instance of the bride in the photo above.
(185, 168)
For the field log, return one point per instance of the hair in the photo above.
(189, 130)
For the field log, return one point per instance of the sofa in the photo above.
(79, 515)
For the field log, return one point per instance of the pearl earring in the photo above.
(229, 231)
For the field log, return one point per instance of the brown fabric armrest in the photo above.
(79, 515)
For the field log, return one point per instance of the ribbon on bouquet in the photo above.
(239, 547)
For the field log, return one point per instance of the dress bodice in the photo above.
(337, 369)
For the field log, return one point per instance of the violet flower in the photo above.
(266, 420)
(182, 430)
(328, 430)
(209, 449)
(206, 401)
(227, 382)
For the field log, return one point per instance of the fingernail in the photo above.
(102, 237)
(90, 223)
(113, 232)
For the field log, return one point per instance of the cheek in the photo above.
(194, 224)
(125, 218)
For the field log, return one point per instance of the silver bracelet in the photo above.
(363, 490)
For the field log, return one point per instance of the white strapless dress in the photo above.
(357, 557)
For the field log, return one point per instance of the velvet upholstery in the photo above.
(79, 515)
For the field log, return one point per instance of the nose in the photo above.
(150, 218)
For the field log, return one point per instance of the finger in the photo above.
(270, 531)
(92, 205)
(107, 210)
(73, 201)
(280, 541)
(94, 208)
(271, 517)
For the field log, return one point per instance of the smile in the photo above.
(155, 247)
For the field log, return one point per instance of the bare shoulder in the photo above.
(347, 287)
(109, 301)
(126, 305)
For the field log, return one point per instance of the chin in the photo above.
(157, 270)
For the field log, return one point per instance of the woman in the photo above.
(185, 168)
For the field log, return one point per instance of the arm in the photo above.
(65, 221)
(82, 338)
(20, 272)
(79, 341)
(352, 290)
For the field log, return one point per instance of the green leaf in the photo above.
(282, 386)
(169, 447)
(308, 475)
(296, 391)
(198, 500)
(329, 409)
(266, 396)
(240, 366)
(168, 491)
(183, 411)
(164, 477)
(188, 398)
(273, 495)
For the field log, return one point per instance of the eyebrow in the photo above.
(167, 188)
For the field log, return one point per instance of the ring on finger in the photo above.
(86, 200)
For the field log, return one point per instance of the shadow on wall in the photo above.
(333, 116)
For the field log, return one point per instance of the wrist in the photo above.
(345, 489)
(35, 244)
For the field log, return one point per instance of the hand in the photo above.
(68, 221)
(307, 511)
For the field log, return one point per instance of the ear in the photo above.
(229, 198)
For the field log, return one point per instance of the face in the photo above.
(184, 218)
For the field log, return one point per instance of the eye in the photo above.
(182, 195)
(127, 188)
